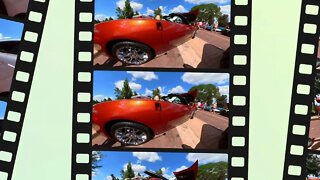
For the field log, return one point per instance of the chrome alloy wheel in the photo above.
(130, 136)
(132, 55)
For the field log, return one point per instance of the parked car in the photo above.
(208, 108)
(136, 121)
(8, 56)
(209, 27)
(138, 40)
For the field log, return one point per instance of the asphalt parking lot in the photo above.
(204, 51)
(204, 131)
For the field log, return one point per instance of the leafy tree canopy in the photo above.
(207, 12)
(126, 12)
(313, 165)
(216, 171)
(124, 93)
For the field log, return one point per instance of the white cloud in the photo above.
(99, 97)
(137, 168)
(100, 17)
(226, 9)
(148, 76)
(206, 1)
(147, 156)
(149, 12)
(109, 178)
(206, 157)
(148, 92)
(134, 86)
(178, 89)
(2, 37)
(181, 168)
(135, 5)
(205, 78)
(178, 9)
(224, 90)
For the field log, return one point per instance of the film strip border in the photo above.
(82, 94)
(240, 89)
(21, 84)
(302, 91)
(302, 94)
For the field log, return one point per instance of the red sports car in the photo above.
(140, 39)
(136, 121)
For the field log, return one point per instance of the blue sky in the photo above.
(106, 8)
(143, 82)
(3, 106)
(113, 162)
(10, 29)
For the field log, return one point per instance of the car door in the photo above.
(177, 32)
(174, 113)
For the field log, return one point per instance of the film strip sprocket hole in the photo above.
(21, 84)
(82, 107)
(302, 94)
(240, 89)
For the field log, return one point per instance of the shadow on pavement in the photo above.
(110, 62)
(211, 57)
(211, 138)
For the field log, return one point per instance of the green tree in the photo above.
(125, 92)
(110, 18)
(135, 93)
(119, 13)
(207, 12)
(126, 12)
(159, 172)
(313, 165)
(129, 173)
(136, 13)
(156, 92)
(122, 174)
(96, 158)
(206, 92)
(216, 171)
(223, 20)
(158, 11)
(222, 101)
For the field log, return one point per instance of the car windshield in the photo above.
(174, 98)
(176, 18)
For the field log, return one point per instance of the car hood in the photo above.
(189, 173)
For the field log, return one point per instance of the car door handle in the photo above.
(158, 106)
(159, 26)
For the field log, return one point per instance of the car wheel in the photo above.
(129, 133)
(132, 53)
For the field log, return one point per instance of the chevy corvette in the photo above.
(136, 121)
(140, 39)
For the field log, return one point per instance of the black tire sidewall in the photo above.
(141, 127)
(133, 44)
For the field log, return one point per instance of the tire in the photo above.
(132, 53)
(121, 130)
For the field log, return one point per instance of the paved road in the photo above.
(205, 51)
(202, 132)
(314, 132)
